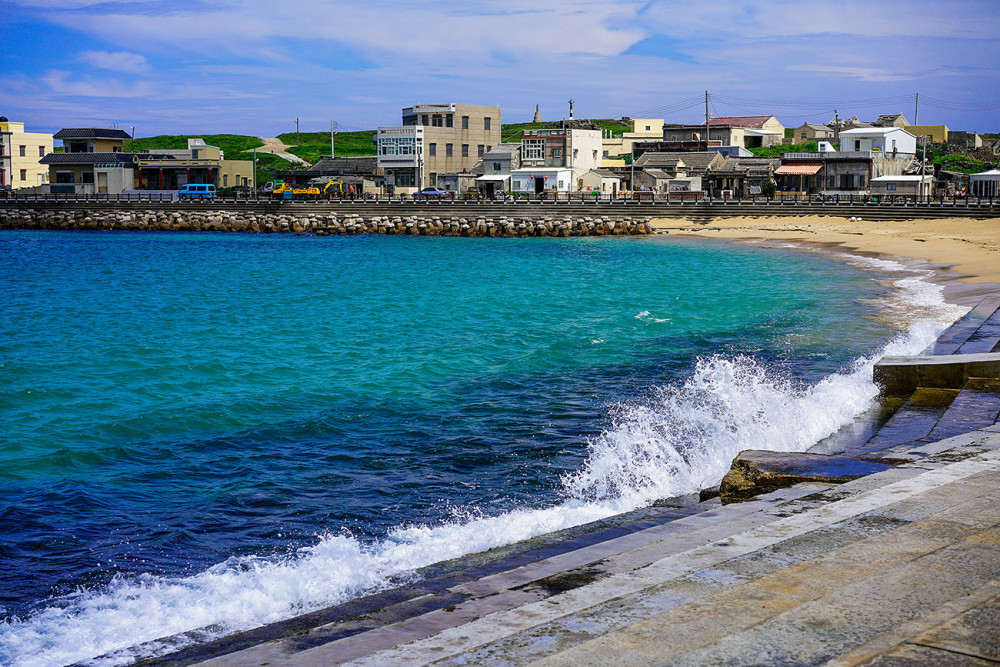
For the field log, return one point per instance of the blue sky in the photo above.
(252, 67)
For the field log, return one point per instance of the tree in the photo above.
(768, 188)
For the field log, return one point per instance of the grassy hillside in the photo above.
(776, 151)
(229, 143)
(315, 145)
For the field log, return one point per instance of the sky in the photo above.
(253, 67)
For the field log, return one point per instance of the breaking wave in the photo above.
(681, 439)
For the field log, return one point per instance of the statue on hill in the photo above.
(538, 116)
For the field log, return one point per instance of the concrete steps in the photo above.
(801, 576)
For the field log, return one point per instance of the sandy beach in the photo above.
(970, 248)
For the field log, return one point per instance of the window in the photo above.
(595, 155)
(87, 177)
(673, 137)
(426, 120)
(532, 149)
(606, 154)
(449, 120)
(487, 122)
(465, 122)
(433, 178)
(648, 128)
(861, 181)
(891, 187)
(41, 151)
(576, 153)
(24, 174)
(496, 166)
(465, 150)
(22, 150)
(64, 177)
(803, 136)
(833, 181)
(432, 149)
(448, 150)
(556, 152)
(225, 180)
(480, 150)
(437, 120)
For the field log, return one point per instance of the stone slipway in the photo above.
(897, 566)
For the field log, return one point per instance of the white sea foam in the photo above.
(680, 440)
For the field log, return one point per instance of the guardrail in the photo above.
(657, 198)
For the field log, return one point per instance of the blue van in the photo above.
(196, 191)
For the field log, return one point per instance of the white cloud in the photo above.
(60, 83)
(119, 61)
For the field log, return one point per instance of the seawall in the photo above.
(322, 221)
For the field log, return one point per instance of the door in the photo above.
(539, 185)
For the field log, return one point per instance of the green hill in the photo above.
(314, 145)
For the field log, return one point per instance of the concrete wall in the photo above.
(25, 171)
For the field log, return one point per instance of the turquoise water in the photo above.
(226, 430)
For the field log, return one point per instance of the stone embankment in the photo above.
(322, 223)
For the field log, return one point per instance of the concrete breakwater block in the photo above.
(756, 471)
(900, 376)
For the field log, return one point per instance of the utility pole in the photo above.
(916, 109)
(296, 132)
(331, 138)
(706, 120)
(836, 129)
(255, 173)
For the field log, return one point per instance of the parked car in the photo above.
(431, 193)
(196, 191)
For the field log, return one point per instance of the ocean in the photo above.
(219, 431)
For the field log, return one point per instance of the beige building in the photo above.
(435, 140)
(21, 154)
(936, 134)
(812, 132)
(615, 149)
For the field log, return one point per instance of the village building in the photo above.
(361, 173)
(812, 132)
(435, 140)
(935, 134)
(498, 165)
(93, 161)
(985, 184)
(555, 159)
(21, 156)
(912, 187)
(601, 182)
(966, 141)
(867, 153)
(741, 177)
(615, 149)
(891, 120)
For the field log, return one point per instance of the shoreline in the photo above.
(964, 253)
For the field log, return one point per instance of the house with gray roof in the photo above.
(812, 132)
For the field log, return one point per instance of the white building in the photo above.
(878, 140)
(556, 159)
(985, 184)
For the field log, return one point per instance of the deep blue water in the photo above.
(180, 403)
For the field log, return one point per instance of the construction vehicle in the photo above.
(328, 189)
(279, 189)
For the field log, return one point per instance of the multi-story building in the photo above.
(745, 131)
(556, 159)
(20, 156)
(435, 140)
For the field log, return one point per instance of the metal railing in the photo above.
(547, 198)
